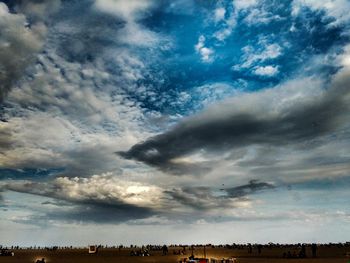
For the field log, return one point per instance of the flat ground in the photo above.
(109, 255)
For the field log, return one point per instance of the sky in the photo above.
(183, 121)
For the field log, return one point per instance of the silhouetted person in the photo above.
(259, 249)
(250, 249)
(302, 253)
(165, 250)
(41, 261)
(192, 255)
(314, 250)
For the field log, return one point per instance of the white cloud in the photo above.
(129, 10)
(60, 107)
(244, 4)
(227, 23)
(205, 52)
(209, 93)
(74, 114)
(219, 14)
(107, 188)
(135, 34)
(266, 71)
(227, 29)
(339, 9)
(258, 16)
(252, 57)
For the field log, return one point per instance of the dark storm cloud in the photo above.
(232, 124)
(208, 198)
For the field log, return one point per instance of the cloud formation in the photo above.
(300, 110)
(19, 43)
(107, 198)
(246, 101)
(98, 199)
(206, 198)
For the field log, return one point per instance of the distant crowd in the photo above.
(250, 247)
(290, 250)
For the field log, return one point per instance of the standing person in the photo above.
(259, 248)
(314, 250)
(250, 249)
(165, 250)
(302, 253)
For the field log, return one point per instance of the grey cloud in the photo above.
(19, 43)
(208, 198)
(98, 200)
(195, 197)
(88, 208)
(1, 199)
(6, 140)
(267, 120)
(325, 157)
(186, 168)
(37, 10)
(248, 189)
(66, 104)
(86, 161)
(22, 37)
(88, 213)
(102, 213)
(99, 28)
(56, 203)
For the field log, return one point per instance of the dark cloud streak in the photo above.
(221, 129)
(207, 198)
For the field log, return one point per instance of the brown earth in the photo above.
(109, 255)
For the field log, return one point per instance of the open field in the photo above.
(115, 255)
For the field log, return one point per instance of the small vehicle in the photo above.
(93, 249)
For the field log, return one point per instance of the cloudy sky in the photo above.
(183, 121)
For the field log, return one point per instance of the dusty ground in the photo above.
(274, 255)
